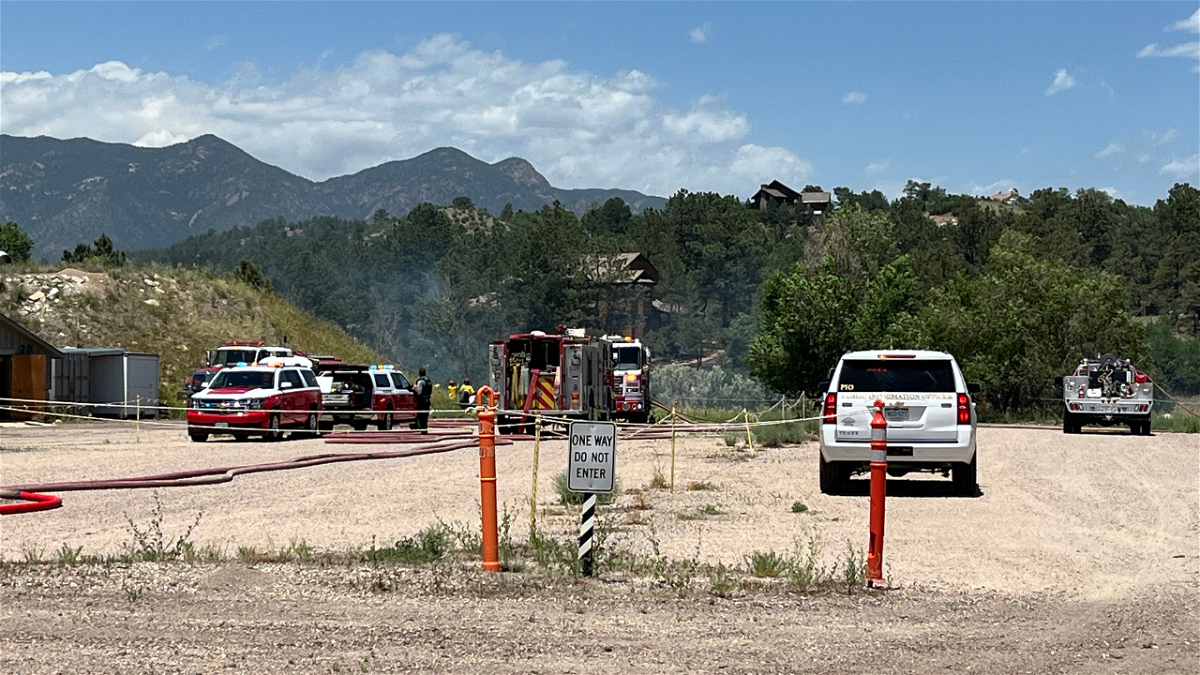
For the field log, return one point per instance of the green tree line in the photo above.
(1018, 292)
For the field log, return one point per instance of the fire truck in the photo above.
(232, 353)
(1106, 391)
(631, 379)
(568, 374)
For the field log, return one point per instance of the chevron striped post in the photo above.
(587, 529)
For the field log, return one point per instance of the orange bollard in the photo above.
(878, 494)
(487, 479)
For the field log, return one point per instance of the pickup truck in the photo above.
(361, 396)
(1106, 391)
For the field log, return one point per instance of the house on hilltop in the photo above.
(811, 207)
(1010, 197)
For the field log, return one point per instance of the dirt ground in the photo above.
(1080, 555)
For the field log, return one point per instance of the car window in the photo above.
(293, 377)
(382, 380)
(401, 381)
(310, 379)
(230, 357)
(344, 382)
(254, 379)
(894, 375)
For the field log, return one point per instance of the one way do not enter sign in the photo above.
(593, 457)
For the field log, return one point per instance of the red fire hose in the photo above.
(32, 502)
(42, 502)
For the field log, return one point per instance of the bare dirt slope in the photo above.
(1080, 555)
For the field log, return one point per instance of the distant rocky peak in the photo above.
(522, 172)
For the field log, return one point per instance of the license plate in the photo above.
(895, 414)
(222, 425)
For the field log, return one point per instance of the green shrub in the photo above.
(766, 564)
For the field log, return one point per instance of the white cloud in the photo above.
(579, 129)
(758, 164)
(1190, 24)
(1110, 150)
(854, 98)
(1062, 80)
(1002, 185)
(215, 41)
(1187, 50)
(1113, 192)
(876, 168)
(701, 33)
(1183, 169)
(1163, 138)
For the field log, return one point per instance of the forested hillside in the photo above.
(1018, 291)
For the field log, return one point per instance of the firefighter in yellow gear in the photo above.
(452, 390)
(465, 392)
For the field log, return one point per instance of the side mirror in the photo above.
(823, 387)
(1058, 382)
(206, 385)
(974, 388)
(830, 375)
(286, 385)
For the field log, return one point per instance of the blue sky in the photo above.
(973, 96)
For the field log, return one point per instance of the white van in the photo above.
(928, 408)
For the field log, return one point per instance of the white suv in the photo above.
(928, 408)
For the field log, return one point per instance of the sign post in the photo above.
(591, 470)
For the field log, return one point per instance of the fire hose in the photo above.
(42, 502)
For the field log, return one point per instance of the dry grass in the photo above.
(195, 311)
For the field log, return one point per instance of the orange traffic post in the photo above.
(878, 494)
(487, 478)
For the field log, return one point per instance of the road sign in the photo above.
(593, 457)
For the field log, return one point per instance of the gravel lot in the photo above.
(1080, 555)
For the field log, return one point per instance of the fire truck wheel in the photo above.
(359, 425)
(1069, 424)
(198, 436)
(273, 433)
(385, 422)
(310, 426)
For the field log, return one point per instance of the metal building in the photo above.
(120, 381)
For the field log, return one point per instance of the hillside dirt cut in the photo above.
(1079, 555)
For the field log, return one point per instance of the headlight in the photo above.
(254, 403)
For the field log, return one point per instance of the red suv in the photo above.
(263, 400)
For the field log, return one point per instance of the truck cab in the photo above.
(630, 379)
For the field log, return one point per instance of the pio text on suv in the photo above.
(930, 417)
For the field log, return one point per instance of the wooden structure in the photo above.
(629, 279)
(25, 370)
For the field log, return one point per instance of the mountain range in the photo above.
(63, 192)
